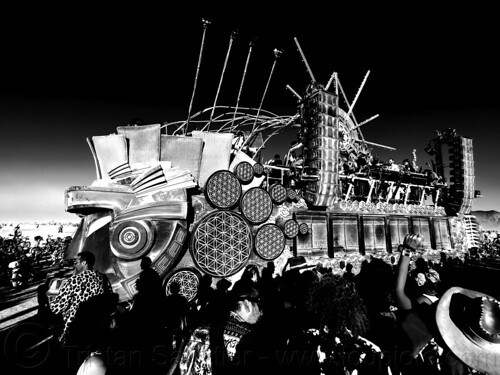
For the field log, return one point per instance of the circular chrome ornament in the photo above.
(132, 239)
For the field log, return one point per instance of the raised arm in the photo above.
(410, 243)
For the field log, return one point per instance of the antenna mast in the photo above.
(357, 94)
(305, 61)
(205, 25)
(252, 43)
(231, 38)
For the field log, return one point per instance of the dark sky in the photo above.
(71, 73)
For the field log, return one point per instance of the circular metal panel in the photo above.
(291, 228)
(291, 194)
(256, 205)
(221, 243)
(223, 189)
(132, 239)
(303, 228)
(269, 241)
(278, 193)
(258, 169)
(244, 172)
(189, 281)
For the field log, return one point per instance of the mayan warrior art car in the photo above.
(202, 201)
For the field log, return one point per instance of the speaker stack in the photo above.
(461, 187)
(321, 128)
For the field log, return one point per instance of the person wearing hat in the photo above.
(464, 323)
(212, 347)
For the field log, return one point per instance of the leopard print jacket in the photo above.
(75, 290)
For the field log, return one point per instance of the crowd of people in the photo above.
(399, 318)
(21, 256)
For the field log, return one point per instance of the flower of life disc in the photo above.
(278, 193)
(303, 228)
(244, 172)
(256, 205)
(258, 169)
(223, 189)
(189, 281)
(291, 194)
(269, 241)
(221, 243)
(291, 228)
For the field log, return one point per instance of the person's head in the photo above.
(271, 266)
(246, 302)
(391, 161)
(145, 263)
(421, 265)
(223, 285)
(84, 261)
(428, 283)
(337, 305)
(251, 273)
(175, 287)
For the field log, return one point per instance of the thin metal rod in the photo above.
(351, 107)
(205, 25)
(305, 61)
(250, 48)
(332, 77)
(366, 121)
(231, 38)
(277, 53)
(353, 117)
(374, 144)
(294, 92)
(291, 120)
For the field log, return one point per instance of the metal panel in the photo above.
(442, 233)
(344, 231)
(420, 225)
(398, 229)
(315, 242)
(374, 234)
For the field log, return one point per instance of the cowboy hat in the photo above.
(469, 323)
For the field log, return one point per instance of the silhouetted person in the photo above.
(177, 309)
(149, 280)
(146, 319)
(204, 296)
(348, 274)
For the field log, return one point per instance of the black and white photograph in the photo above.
(198, 189)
